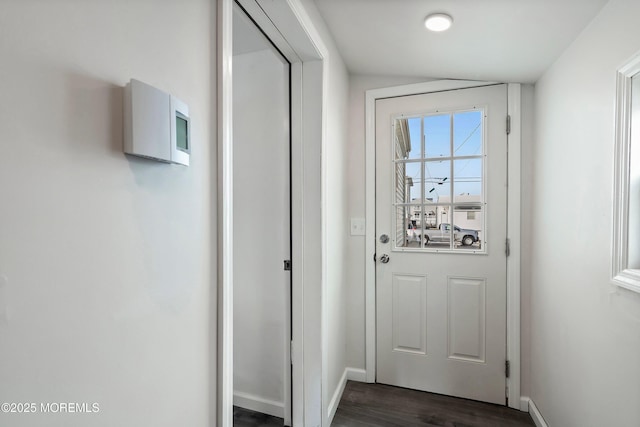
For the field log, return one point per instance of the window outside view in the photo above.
(439, 163)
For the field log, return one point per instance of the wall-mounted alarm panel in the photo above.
(156, 124)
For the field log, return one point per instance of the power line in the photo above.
(468, 138)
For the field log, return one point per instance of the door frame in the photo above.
(291, 29)
(514, 147)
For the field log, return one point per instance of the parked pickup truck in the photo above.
(442, 233)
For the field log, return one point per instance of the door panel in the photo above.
(410, 313)
(441, 176)
(466, 323)
(262, 227)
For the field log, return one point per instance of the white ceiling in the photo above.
(495, 40)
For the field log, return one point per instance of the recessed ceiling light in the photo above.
(438, 22)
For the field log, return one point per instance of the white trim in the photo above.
(538, 420)
(335, 399)
(315, 59)
(426, 87)
(513, 277)
(310, 332)
(354, 374)
(349, 374)
(224, 406)
(514, 154)
(524, 403)
(258, 404)
(297, 232)
(258, 15)
(621, 275)
(370, 235)
(305, 51)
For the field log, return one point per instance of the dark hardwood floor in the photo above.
(246, 418)
(374, 405)
(378, 405)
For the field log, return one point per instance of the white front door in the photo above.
(441, 203)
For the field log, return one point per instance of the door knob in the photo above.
(384, 259)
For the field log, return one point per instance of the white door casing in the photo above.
(441, 307)
(289, 26)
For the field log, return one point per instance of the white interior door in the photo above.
(441, 203)
(262, 225)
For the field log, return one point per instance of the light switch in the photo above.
(357, 226)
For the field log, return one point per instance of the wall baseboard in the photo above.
(355, 374)
(258, 404)
(524, 403)
(533, 411)
(337, 395)
(352, 374)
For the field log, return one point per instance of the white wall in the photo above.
(261, 229)
(336, 223)
(585, 337)
(106, 260)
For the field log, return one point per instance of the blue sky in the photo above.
(467, 141)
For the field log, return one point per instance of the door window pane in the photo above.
(437, 136)
(437, 181)
(408, 184)
(408, 226)
(430, 215)
(468, 226)
(408, 144)
(467, 186)
(467, 133)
